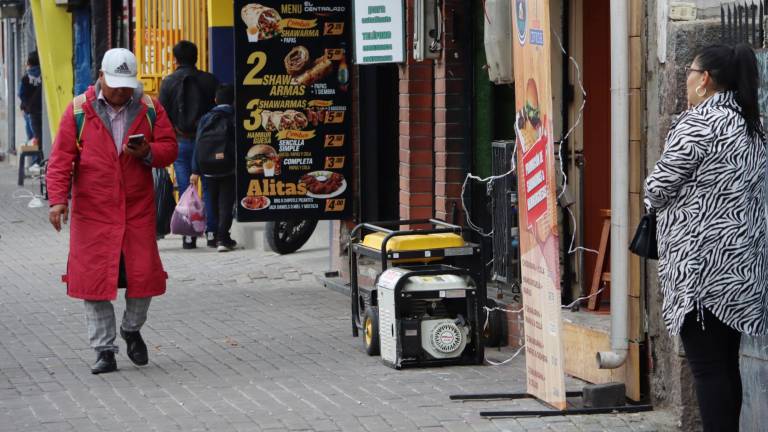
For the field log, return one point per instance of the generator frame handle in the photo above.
(383, 226)
(394, 234)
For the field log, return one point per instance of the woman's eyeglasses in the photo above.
(689, 69)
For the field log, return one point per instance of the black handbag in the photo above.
(644, 243)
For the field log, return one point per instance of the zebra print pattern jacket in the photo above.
(709, 192)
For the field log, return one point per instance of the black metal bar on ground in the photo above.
(567, 412)
(509, 396)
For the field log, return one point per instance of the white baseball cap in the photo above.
(119, 67)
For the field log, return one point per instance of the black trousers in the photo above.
(713, 355)
(222, 192)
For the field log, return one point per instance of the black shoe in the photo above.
(226, 245)
(211, 240)
(136, 348)
(105, 363)
(189, 242)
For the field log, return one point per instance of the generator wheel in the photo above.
(371, 331)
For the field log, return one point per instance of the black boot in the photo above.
(189, 242)
(211, 239)
(105, 362)
(136, 348)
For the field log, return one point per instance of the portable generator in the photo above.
(417, 294)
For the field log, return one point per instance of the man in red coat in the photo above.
(112, 231)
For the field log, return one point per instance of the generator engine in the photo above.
(427, 317)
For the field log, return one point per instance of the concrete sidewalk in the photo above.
(242, 341)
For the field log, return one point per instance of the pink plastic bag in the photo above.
(189, 216)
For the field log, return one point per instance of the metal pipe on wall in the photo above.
(10, 67)
(619, 186)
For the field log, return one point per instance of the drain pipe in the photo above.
(619, 186)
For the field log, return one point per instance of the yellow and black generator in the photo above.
(417, 294)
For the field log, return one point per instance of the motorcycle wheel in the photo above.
(286, 237)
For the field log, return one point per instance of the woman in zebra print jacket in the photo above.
(708, 190)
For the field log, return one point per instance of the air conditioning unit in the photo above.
(506, 239)
(497, 39)
(427, 29)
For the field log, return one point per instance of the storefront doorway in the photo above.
(378, 123)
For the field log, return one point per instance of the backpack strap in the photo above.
(77, 110)
(151, 113)
(79, 114)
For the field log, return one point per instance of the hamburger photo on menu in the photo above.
(529, 118)
(263, 160)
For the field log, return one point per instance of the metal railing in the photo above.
(160, 24)
(743, 22)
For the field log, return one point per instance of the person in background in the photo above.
(187, 94)
(708, 190)
(112, 236)
(214, 158)
(31, 96)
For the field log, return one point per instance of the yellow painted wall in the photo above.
(53, 30)
(220, 13)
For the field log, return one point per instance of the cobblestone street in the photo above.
(242, 341)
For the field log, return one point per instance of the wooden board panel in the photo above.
(581, 346)
(539, 238)
(635, 322)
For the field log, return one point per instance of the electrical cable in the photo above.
(35, 200)
(493, 363)
(564, 187)
(491, 179)
(572, 304)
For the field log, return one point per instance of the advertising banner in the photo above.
(379, 32)
(293, 101)
(539, 238)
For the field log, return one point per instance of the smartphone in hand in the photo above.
(134, 141)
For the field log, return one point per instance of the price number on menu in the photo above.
(334, 141)
(334, 117)
(258, 59)
(335, 205)
(334, 162)
(333, 29)
(334, 54)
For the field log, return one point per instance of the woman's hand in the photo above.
(193, 179)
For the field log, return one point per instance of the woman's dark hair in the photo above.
(185, 53)
(735, 69)
(225, 94)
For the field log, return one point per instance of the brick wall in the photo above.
(433, 124)
(452, 105)
(416, 131)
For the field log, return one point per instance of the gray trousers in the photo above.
(100, 318)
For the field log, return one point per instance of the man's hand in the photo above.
(193, 179)
(138, 150)
(57, 215)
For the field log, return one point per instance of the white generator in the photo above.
(428, 316)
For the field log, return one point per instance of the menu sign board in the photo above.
(379, 32)
(539, 238)
(293, 116)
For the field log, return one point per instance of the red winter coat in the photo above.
(113, 206)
